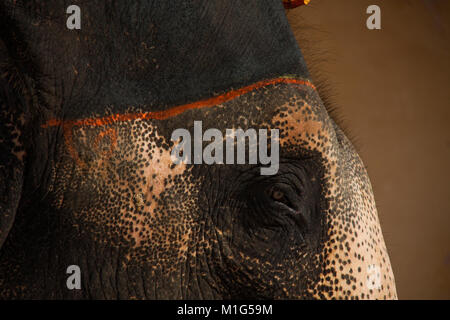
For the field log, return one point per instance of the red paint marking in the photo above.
(68, 139)
(165, 114)
(112, 134)
(67, 125)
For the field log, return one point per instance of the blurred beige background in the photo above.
(392, 88)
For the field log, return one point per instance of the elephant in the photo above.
(87, 176)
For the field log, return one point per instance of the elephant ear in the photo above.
(11, 180)
(12, 152)
(18, 92)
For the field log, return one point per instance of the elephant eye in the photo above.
(278, 195)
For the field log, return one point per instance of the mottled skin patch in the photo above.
(355, 241)
(198, 231)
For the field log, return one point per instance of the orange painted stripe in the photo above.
(165, 114)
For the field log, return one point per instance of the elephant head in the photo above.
(88, 172)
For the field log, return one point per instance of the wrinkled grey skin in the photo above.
(86, 179)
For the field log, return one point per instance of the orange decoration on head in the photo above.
(291, 4)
